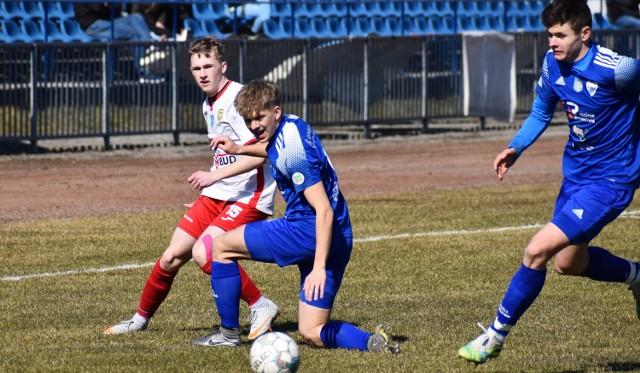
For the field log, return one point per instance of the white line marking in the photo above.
(627, 214)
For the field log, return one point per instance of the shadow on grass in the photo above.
(626, 366)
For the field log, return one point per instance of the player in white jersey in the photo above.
(225, 203)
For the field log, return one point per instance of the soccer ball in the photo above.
(274, 352)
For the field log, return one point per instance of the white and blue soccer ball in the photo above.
(274, 352)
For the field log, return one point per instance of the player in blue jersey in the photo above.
(599, 91)
(315, 233)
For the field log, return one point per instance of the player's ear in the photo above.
(223, 67)
(277, 112)
(585, 33)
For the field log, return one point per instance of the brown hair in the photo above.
(207, 46)
(256, 96)
(576, 12)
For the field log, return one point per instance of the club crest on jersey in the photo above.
(220, 114)
(577, 85)
(581, 133)
(592, 88)
(297, 178)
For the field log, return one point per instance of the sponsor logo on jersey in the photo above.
(220, 114)
(222, 160)
(560, 81)
(297, 178)
(581, 133)
(592, 87)
(578, 213)
(577, 85)
(573, 112)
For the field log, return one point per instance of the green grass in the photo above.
(432, 289)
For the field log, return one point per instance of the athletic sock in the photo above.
(337, 334)
(606, 267)
(155, 291)
(250, 292)
(225, 285)
(524, 288)
(262, 301)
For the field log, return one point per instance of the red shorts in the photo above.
(226, 215)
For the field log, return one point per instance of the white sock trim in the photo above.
(633, 273)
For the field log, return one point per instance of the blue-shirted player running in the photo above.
(314, 234)
(599, 91)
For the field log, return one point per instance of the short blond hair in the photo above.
(256, 96)
(207, 46)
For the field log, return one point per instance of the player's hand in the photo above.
(201, 179)
(225, 143)
(314, 284)
(503, 161)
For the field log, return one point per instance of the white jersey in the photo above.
(255, 188)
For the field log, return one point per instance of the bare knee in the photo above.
(221, 250)
(536, 256)
(171, 260)
(311, 335)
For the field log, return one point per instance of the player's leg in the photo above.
(233, 215)
(159, 283)
(226, 288)
(263, 310)
(316, 328)
(524, 288)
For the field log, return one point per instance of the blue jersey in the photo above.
(601, 96)
(298, 161)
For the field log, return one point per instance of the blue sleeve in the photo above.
(627, 75)
(541, 114)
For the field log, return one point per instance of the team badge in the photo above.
(577, 85)
(592, 88)
(220, 114)
(297, 178)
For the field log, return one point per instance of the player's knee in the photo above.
(199, 254)
(566, 268)
(170, 262)
(220, 250)
(310, 335)
(536, 256)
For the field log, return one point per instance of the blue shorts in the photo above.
(287, 242)
(583, 210)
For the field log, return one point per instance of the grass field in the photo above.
(430, 264)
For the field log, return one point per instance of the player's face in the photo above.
(265, 123)
(568, 46)
(208, 73)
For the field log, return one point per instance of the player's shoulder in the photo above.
(606, 58)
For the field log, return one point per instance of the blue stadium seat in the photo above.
(273, 30)
(517, 23)
(534, 23)
(320, 28)
(467, 8)
(336, 28)
(287, 26)
(59, 10)
(10, 32)
(482, 23)
(466, 23)
(72, 29)
(333, 9)
(210, 27)
(390, 9)
(303, 28)
(379, 26)
(408, 27)
(53, 32)
(202, 11)
(415, 8)
(12, 10)
(279, 10)
(422, 26)
(357, 9)
(33, 9)
(444, 9)
(601, 22)
(394, 25)
(310, 10)
(442, 25)
(194, 28)
(30, 28)
(495, 22)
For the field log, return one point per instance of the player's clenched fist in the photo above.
(202, 179)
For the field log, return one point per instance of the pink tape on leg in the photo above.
(207, 241)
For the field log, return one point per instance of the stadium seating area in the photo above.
(45, 21)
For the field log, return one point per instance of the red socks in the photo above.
(155, 290)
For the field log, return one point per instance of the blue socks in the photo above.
(226, 287)
(524, 288)
(337, 334)
(606, 267)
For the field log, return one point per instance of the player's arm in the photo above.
(537, 122)
(257, 149)
(315, 281)
(627, 75)
(203, 179)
